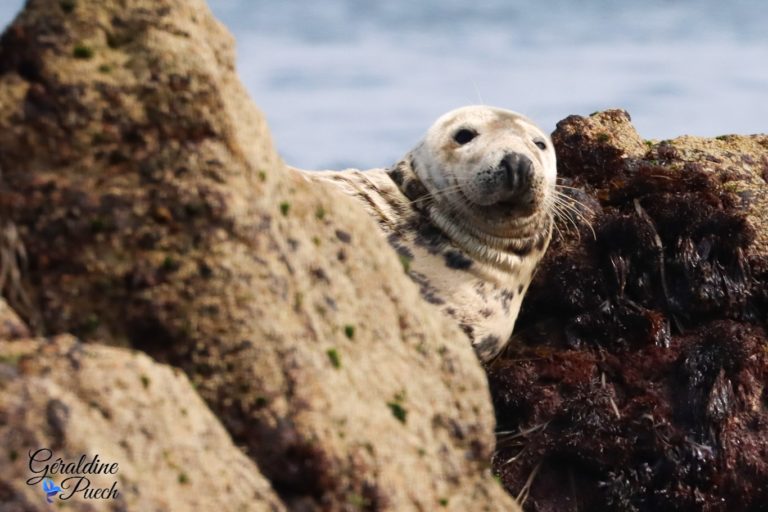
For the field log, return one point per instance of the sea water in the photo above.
(355, 83)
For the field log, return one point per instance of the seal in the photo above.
(470, 212)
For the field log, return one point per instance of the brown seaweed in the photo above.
(637, 380)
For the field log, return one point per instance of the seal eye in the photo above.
(540, 144)
(464, 135)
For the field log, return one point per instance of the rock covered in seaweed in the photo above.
(640, 374)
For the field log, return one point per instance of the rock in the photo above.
(73, 399)
(11, 326)
(639, 376)
(156, 214)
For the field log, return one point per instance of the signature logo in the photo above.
(51, 489)
(76, 476)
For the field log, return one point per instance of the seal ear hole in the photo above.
(540, 143)
(464, 135)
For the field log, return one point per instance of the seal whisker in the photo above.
(561, 212)
(574, 214)
(560, 185)
(568, 222)
(565, 203)
(568, 217)
(557, 228)
(434, 195)
(571, 223)
(573, 199)
(564, 206)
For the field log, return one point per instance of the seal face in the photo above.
(491, 168)
(470, 208)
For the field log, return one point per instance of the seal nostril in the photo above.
(526, 168)
(517, 169)
(506, 168)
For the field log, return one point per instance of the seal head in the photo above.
(494, 170)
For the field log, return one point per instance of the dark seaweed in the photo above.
(637, 378)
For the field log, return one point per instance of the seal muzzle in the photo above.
(518, 172)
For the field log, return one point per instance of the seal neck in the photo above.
(505, 253)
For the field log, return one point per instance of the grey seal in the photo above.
(470, 212)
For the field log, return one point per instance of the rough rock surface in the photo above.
(640, 378)
(11, 326)
(75, 398)
(154, 213)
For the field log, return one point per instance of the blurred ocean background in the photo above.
(354, 83)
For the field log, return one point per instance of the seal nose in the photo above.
(518, 170)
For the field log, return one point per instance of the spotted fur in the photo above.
(470, 256)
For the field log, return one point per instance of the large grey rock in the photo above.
(156, 214)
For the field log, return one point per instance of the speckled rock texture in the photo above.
(639, 376)
(75, 398)
(152, 212)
